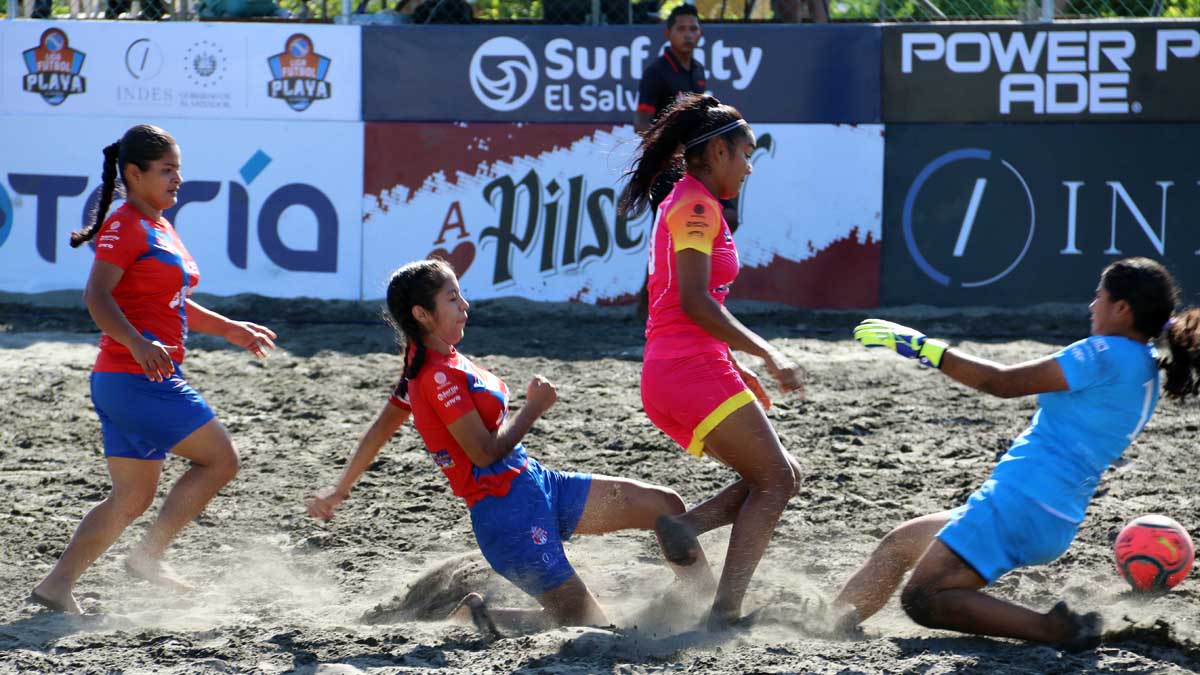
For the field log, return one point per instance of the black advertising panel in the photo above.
(1011, 215)
(591, 74)
(1094, 71)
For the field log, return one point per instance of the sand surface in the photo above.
(277, 592)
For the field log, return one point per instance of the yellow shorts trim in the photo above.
(731, 404)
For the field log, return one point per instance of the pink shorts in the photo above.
(687, 397)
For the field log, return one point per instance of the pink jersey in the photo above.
(690, 217)
(159, 276)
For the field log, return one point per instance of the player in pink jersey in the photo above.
(139, 295)
(689, 334)
(521, 511)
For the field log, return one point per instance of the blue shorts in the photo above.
(521, 534)
(1000, 529)
(141, 419)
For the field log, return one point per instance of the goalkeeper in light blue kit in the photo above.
(1096, 395)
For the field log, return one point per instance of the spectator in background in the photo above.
(800, 11)
(152, 10)
(735, 10)
(612, 12)
(437, 11)
(674, 72)
(668, 77)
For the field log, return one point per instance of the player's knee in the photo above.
(227, 464)
(670, 501)
(780, 484)
(894, 540)
(797, 476)
(130, 504)
(917, 601)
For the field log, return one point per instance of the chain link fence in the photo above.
(599, 12)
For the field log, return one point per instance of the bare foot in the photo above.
(720, 622)
(473, 608)
(843, 623)
(679, 543)
(60, 601)
(1083, 631)
(149, 569)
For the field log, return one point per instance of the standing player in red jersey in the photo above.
(521, 511)
(689, 335)
(139, 295)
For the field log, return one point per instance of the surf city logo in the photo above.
(505, 74)
(299, 74)
(54, 68)
(516, 70)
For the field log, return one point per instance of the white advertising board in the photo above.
(530, 210)
(272, 208)
(181, 69)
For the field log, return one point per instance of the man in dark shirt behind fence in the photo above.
(670, 75)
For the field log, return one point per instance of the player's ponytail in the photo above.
(108, 185)
(1182, 334)
(413, 285)
(677, 141)
(140, 146)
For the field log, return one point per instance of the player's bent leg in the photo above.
(571, 603)
(747, 443)
(134, 484)
(214, 463)
(621, 503)
(944, 592)
(868, 590)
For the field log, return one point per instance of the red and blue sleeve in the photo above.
(120, 243)
(446, 391)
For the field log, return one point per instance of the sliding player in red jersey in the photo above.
(521, 511)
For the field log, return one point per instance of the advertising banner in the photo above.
(1091, 71)
(272, 208)
(530, 211)
(591, 74)
(1020, 214)
(181, 69)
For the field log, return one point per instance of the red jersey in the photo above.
(399, 397)
(159, 276)
(445, 389)
(690, 217)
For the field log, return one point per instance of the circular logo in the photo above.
(439, 378)
(503, 74)
(205, 64)
(300, 48)
(143, 59)
(6, 216)
(54, 40)
(949, 211)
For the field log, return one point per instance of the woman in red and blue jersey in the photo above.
(521, 511)
(689, 335)
(139, 294)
